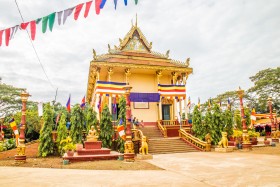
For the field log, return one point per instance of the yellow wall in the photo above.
(144, 83)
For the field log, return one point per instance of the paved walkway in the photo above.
(182, 169)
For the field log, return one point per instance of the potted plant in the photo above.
(237, 135)
(69, 148)
(253, 137)
(266, 142)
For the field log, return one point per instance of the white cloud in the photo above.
(227, 41)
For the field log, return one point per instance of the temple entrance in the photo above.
(166, 112)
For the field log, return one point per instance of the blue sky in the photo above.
(227, 42)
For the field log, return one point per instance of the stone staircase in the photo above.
(160, 145)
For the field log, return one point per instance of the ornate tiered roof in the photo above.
(134, 52)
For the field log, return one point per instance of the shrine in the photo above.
(158, 82)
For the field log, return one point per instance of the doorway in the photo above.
(166, 112)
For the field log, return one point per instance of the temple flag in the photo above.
(68, 104)
(115, 2)
(136, 2)
(120, 129)
(59, 15)
(198, 104)
(7, 34)
(97, 6)
(33, 29)
(99, 104)
(102, 4)
(15, 130)
(38, 20)
(189, 102)
(83, 103)
(67, 13)
(88, 5)
(51, 20)
(78, 10)
(125, 2)
(114, 105)
(1, 33)
(253, 118)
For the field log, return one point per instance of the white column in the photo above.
(160, 108)
(175, 108)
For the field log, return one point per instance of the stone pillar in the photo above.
(246, 144)
(128, 146)
(20, 156)
(273, 126)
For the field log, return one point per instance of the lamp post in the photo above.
(246, 144)
(128, 146)
(20, 156)
(273, 126)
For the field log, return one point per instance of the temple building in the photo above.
(158, 82)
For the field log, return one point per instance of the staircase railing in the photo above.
(196, 142)
(162, 128)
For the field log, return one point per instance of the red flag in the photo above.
(78, 10)
(7, 34)
(1, 33)
(88, 5)
(97, 6)
(24, 25)
(83, 103)
(33, 29)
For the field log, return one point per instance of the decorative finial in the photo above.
(188, 62)
(167, 53)
(136, 20)
(94, 54)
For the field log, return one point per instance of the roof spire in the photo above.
(136, 20)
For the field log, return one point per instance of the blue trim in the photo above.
(144, 97)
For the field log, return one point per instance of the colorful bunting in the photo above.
(78, 10)
(50, 19)
(102, 4)
(67, 13)
(23, 26)
(88, 5)
(59, 14)
(1, 33)
(7, 35)
(97, 6)
(33, 29)
(115, 2)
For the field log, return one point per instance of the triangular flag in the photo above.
(59, 14)
(45, 23)
(78, 10)
(33, 29)
(102, 4)
(38, 20)
(115, 2)
(97, 6)
(88, 5)
(1, 33)
(136, 2)
(51, 20)
(14, 30)
(7, 34)
(67, 13)
(125, 2)
(23, 26)
(120, 129)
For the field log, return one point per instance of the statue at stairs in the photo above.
(144, 146)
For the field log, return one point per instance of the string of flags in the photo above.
(49, 20)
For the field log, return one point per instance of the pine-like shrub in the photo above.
(106, 128)
(61, 132)
(77, 124)
(46, 143)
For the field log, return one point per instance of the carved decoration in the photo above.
(127, 75)
(159, 74)
(188, 62)
(166, 101)
(110, 72)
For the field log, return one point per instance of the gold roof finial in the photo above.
(136, 20)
